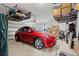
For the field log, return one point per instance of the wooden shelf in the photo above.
(66, 19)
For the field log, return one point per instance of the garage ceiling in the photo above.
(38, 9)
(42, 10)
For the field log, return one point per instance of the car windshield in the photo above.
(40, 30)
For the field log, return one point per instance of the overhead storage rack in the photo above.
(64, 12)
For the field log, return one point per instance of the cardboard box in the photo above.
(63, 10)
(65, 5)
(55, 31)
(77, 7)
(66, 11)
(57, 12)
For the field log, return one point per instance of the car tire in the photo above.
(54, 43)
(17, 38)
(38, 43)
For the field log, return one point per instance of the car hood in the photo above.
(46, 33)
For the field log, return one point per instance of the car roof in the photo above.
(25, 27)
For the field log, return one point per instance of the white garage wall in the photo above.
(13, 26)
(62, 26)
(77, 29)
(4, 9)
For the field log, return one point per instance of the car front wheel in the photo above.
(38, 43)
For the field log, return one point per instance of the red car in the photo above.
(38, 39)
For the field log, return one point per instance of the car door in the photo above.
(28, 36)
(21, 35)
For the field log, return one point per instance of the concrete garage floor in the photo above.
(25, 49)
(76, 48)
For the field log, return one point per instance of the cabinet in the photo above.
(3, 35)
